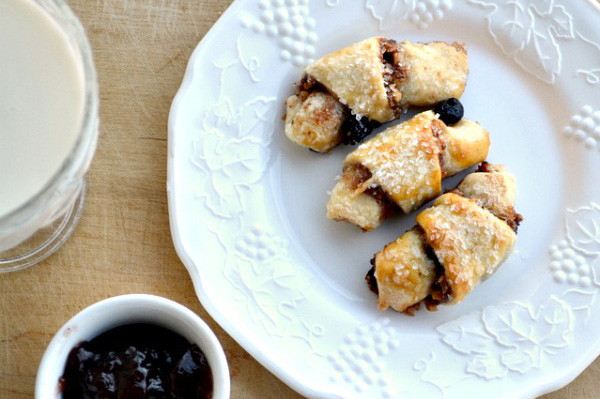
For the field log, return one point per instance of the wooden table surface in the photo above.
(122, 244)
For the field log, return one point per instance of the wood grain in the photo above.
(122, 244)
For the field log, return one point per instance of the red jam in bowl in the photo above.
(137, 361)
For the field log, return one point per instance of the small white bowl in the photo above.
(127, 309)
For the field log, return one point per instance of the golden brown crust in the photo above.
(467, 144)
(315, 122)
(355, 75)
(469, 241)
(359, 209)
(376, 78)
(406, 163)
(403, 161)
(421, 74)
(463, 238)
(495, 190)
(404, 272)
(437, 71)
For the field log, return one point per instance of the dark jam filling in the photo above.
(356, 175)
(371, 279)
(137, 361)
(438, 129)
(309, 85)
(485, 167)
(440, 289)
(393, 71)
(513, 220)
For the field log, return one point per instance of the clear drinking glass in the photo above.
(39, 226)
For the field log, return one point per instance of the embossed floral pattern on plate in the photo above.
(247, 216)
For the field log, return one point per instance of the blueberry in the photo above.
(451, 111)
(355, 129)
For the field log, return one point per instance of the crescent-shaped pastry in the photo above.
(458, 242)
(403, 167)
(370, 83)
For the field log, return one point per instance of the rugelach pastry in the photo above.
(457, 243)
(347, 93)
(403, 167)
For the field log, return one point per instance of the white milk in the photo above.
(41, 101)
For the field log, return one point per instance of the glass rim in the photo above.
(83, 149)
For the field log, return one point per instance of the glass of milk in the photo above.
(48, 127)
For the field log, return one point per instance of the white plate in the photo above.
(247, 206)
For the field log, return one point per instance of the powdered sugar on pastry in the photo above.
(375, 80)
(405, 164)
